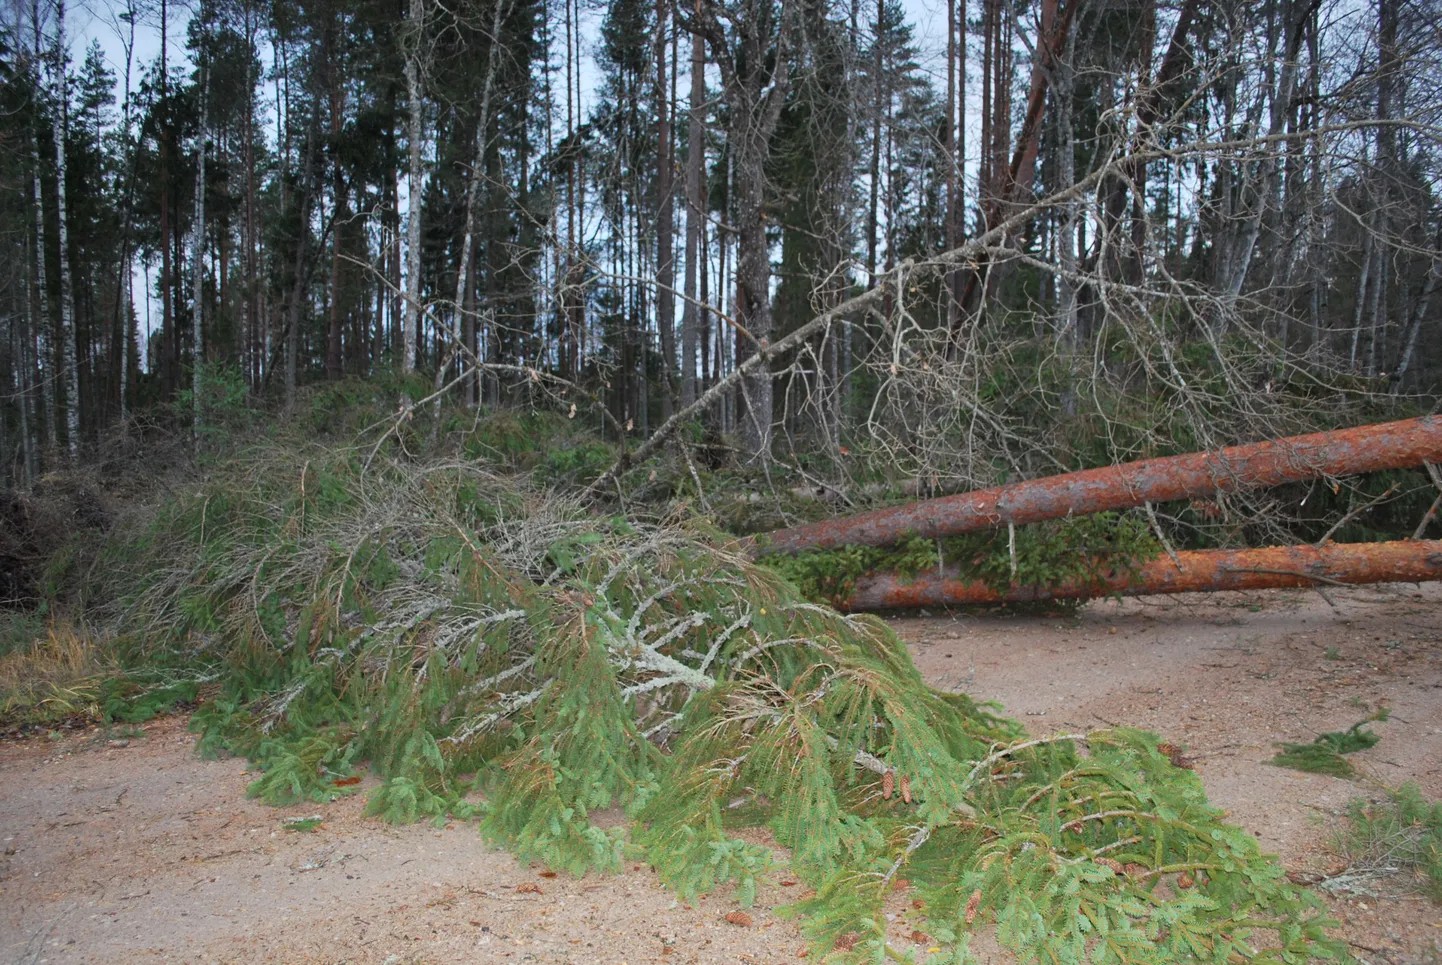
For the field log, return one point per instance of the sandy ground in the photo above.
(131, 849)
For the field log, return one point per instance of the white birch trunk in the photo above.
(695, 212)
(67, 294)
(414, 93)
(40, 324)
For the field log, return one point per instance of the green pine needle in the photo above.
(461, 630)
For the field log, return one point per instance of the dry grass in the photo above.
(1394, 838)
(58, 675)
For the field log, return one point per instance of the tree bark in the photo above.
(41, 326)
(1001, 186)
(167, 308)
(1068, 336)
(665, 212)
(253, 350)
(695, 213)
(755, 109)
(873, 216)
(67, 292)
(21, 373)
(197, 264)
(950, 131)
(120, 322)
(1419, 318)
(473, 187)
(1265, 185)
(1344, 452)
(414, 94)
(302, 270)
(334, 365)
(1149, 112)
(1404, 561)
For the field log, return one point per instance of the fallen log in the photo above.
(1405, 561)
(1343, 452)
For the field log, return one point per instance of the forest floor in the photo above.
(126, 847)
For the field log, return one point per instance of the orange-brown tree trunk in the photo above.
(1405, 561)
(1344, 452)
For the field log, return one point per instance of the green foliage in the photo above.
(1324, 755)
(19, 630)
(224, 397)
(303, 770)
(1401, 834)
(131, 700)
(421, 788)
(558, 449)
(438, 620)
(577, 463)
(1070, 867)
(406, 800)
(68, 675)
(1079, 550)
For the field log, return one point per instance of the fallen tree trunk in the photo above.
(1405, 561)
(1344, 452)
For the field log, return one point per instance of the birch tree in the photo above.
(67, 293)
(415, 92)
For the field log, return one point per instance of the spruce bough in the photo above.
(462, 631)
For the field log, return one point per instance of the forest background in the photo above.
(1100, 230)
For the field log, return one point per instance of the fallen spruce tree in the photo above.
(1403, 561)
(493, 651)
(1343, 452)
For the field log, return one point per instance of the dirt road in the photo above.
(125, 849)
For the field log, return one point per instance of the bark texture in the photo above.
(62, 225)
(1344, 452)
(414, 93)
(197, 252)
(1409, 561)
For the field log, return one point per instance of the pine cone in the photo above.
(888, 785)
(739, 918)
(906, 789)
(973, 904)
(848, 941)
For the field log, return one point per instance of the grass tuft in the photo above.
(57, 675)
(1398, 837)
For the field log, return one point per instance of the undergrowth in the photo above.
(66, 676)
(1080, 550)
(1398, 836)
(19, 630)
(491, 649)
